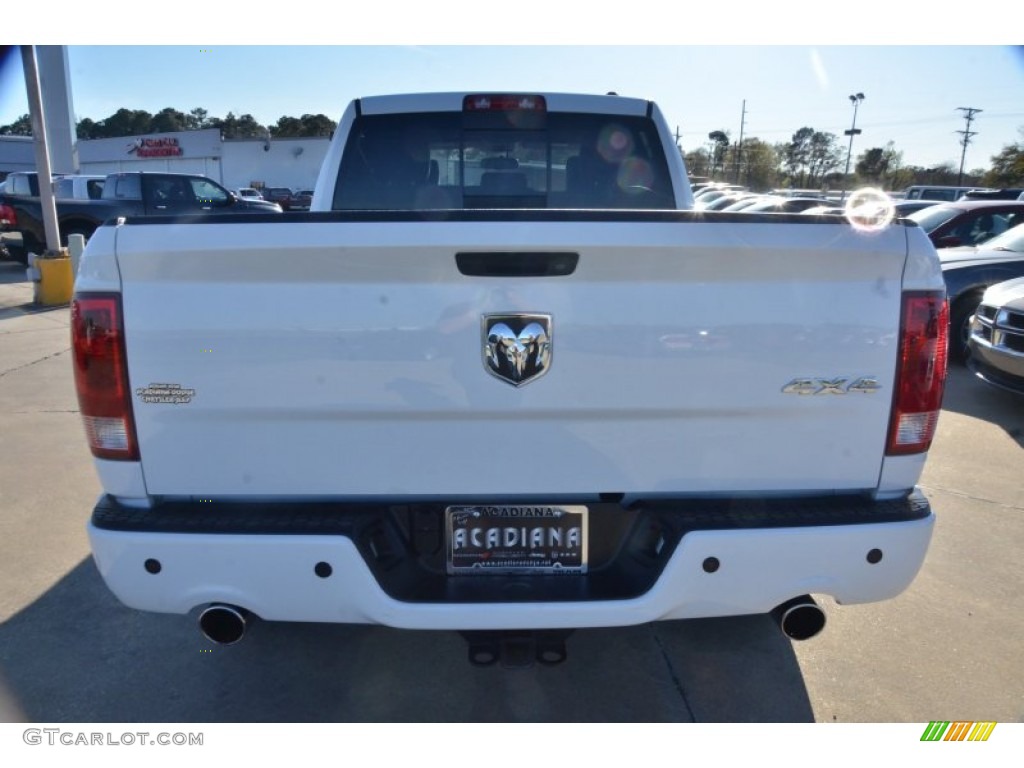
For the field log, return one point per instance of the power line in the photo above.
(885, 124)
(969, 113)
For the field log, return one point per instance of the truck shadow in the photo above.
(969, 395)
(12, 272)
(77, 655)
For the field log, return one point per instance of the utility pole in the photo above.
(969, 113)
(855, 99)
(739, 144)
(678, 147)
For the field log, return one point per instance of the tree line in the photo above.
(817, 160)
(137, 122)
(811, 159)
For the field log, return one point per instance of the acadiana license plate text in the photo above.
(516, 539)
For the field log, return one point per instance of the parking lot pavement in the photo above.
(952, 641)
(948, 648)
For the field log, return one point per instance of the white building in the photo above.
(17, 153)
(292, 163)
(179, 152)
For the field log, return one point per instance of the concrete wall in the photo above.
(292, 163)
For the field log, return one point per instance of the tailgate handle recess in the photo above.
(517, 264)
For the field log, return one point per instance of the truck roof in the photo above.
(452, 102)
(158, 173)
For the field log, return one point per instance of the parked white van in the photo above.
(926, 192)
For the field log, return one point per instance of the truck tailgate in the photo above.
(337, 358)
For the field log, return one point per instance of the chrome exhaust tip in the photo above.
(800, 618)
(223, 624)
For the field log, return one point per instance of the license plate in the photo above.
(516, 539)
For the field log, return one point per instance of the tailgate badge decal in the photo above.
(171, 394)
(866, 385)
(517, 347)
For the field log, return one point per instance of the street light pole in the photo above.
(855, 99)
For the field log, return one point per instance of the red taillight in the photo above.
(503, 102)
(920, 373)
(6, 216)
(101, 376)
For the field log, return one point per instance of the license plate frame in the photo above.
(516, 539)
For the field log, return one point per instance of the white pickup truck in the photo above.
(501, 380)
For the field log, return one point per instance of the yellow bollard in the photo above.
(56, 282)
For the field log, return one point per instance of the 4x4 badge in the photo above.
(517, 347)
(818, 386)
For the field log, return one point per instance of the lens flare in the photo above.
(635, 175)
(869, 210)
(818, 67)
(615, 143)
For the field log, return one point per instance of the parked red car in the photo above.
(280, 195)
(968, 222)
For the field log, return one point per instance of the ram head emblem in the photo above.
(517, 348)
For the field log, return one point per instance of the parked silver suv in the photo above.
(997, 336)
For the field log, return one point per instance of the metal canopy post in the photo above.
(44, 175)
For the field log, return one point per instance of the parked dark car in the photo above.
(968, 222)
(124, 194)
(301, 200)
(968, 272)
(997, 337)
(280, 195)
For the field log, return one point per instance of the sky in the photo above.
(912, 91)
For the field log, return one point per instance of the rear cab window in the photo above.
(502, 159)
(128, 187)
(22, 186)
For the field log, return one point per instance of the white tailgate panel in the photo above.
(357, 369)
